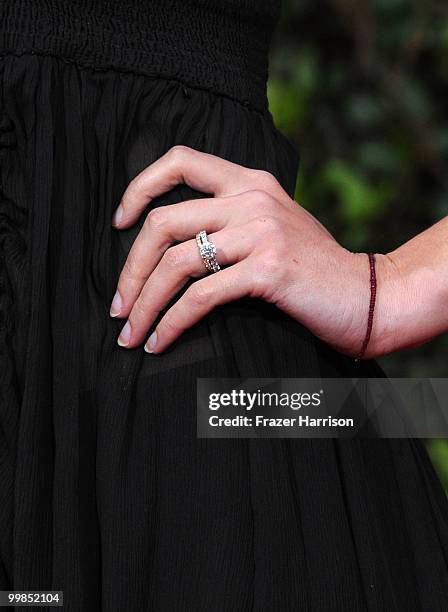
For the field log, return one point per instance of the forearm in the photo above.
(412, 298)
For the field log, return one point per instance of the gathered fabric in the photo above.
(209, 44)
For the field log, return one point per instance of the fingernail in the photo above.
(116, 306)
(152, 341)
(125, 336)
(118, 216)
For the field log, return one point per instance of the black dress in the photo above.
(105, 491)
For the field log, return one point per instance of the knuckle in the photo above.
(156, 219)
(259, 281)
(173, 258)
(200, 295)
(266, 180)
(272, 262)
(270, 224)
(258, 195)
(135, 187)
(132, 267)
(178, 153)
(262, 200)
(172, 326)
(140, 310)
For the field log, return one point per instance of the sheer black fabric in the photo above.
(105, 491)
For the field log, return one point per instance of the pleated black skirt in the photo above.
(105, 491)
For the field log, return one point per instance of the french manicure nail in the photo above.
(116, 306)
(118, 216)
(125, 336)
(152, 341)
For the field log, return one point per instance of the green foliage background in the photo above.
(360, 86)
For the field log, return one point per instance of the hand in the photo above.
(268, 246)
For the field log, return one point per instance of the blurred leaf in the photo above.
(359, 200)
(289, 93)
(438, 451)
(363, 110)
(380, 156)
(285, 105)
(415, 99)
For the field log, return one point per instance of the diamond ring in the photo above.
(207, 251)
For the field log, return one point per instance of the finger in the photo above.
(178, 264)
(163, 226)
(225, 286)
(201, 171)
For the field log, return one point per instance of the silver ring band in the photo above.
(207, 251)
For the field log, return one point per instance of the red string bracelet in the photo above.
(371, 306)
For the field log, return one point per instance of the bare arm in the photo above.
(412, 297)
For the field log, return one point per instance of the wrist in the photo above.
(383, 332)
(409, 301)
(389, 287)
